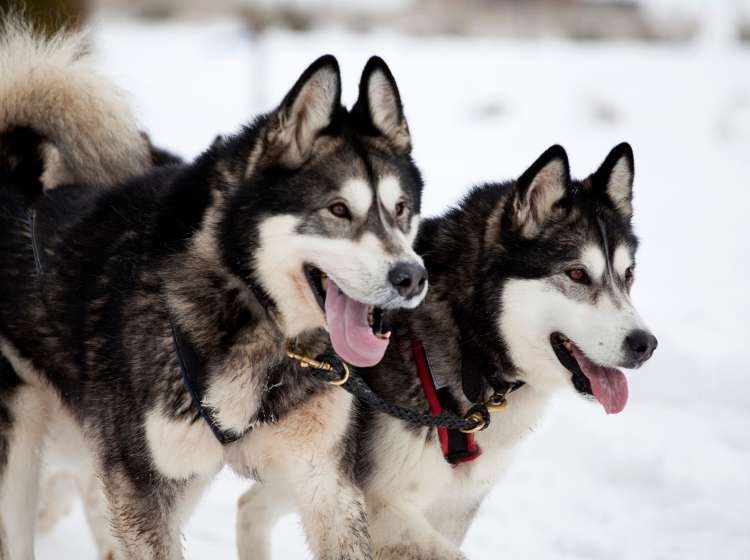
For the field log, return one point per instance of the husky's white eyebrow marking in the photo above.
(593, 258)
(358, 195)
(622, 259)
(389, 192)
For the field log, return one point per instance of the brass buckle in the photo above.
(477, 417)
(496, 403)
(307, 362)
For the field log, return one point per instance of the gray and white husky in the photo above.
(155, 312)
(530, 282)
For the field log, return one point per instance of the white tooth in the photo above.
(568, 346)
(385, 335)
(324, 282)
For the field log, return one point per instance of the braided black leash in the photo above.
(332, 370)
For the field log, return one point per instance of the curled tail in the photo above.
(58, 114)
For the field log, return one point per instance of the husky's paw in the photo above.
(414, 552)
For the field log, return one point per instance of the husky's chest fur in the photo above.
(407, 466)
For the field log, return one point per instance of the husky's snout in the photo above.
(638, 347)
(408, 279)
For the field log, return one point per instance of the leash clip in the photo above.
(480, 414)
(307, 362)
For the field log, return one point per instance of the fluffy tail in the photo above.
(49, 91)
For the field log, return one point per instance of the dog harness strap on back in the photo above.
(190, 362)
(458, 447)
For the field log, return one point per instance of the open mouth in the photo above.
(607, 385)
(358, 332)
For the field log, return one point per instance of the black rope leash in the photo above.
(332, 370)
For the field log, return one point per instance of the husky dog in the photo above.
(530, 282)
(158, 311)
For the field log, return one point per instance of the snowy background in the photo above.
(669, 478)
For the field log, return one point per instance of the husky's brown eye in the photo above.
(339, 210)
(578, 275)
(400, 209)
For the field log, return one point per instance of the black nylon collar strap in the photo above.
(476, 370)
(190, 363)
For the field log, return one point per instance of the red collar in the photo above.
(457, 446)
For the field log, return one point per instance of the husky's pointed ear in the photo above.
(305, 112)
(615, 177)
(379, 107)
(539, 190)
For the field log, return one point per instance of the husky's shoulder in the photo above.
(86, 132)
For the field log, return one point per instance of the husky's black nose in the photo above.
(640, 345)
(408, 279)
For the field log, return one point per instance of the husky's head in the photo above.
(324, 219)
(568, 252)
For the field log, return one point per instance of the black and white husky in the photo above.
(530, 283)
(155, 313)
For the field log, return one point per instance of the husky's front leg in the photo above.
(146, 518)
(335, 524)
(334, 517)
(307, 455)
(320, 477)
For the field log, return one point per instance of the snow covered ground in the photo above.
(669, 478)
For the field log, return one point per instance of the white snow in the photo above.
(670, 477)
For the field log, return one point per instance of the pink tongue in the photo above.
(351, 334)
(609, 385)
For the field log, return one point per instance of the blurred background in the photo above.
(487, 86)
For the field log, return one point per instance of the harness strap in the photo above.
(458, 447)
(190, 363)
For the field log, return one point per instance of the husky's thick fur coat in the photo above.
(304, 218)
(530, 282)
